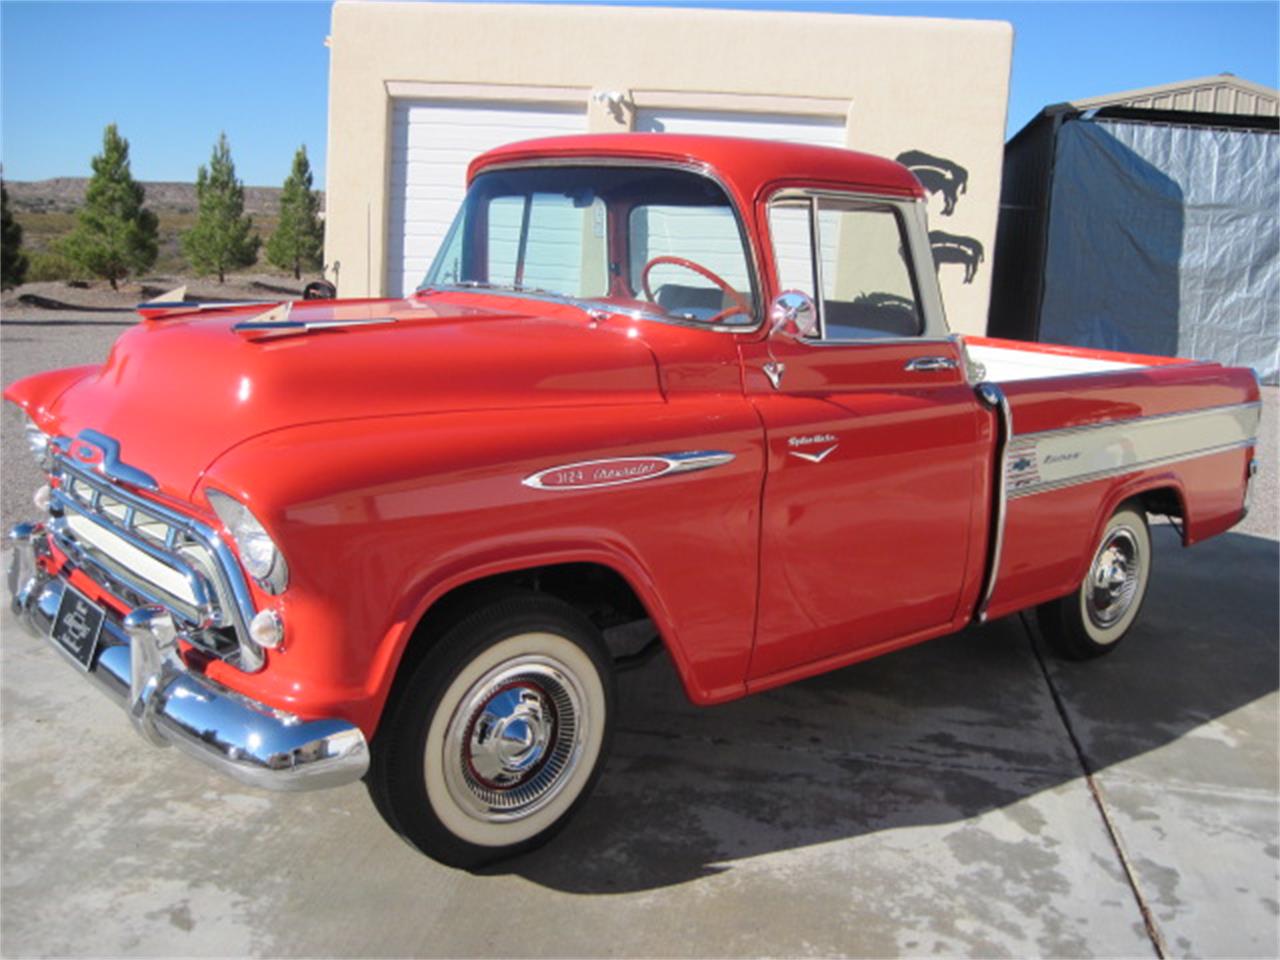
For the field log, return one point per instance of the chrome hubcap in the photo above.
(1113, 580)
(514, 739)
(509, 737)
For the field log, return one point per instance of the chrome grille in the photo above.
(143, 552)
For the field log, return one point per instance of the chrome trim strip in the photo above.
(815, 251)
(1109, 424)
(225, 563)
(198, 306)
(994, 397)
(688, 166)
(1075, 481)
(138, 667)
(617, 471)
(293, 326)
(1054, 459)
(877, 342)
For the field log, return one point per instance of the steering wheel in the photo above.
(740, 305)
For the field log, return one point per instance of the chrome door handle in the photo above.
(925, 364)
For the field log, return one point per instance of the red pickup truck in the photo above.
(692, 391)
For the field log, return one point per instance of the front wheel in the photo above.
(1096, 617)
(499, 735)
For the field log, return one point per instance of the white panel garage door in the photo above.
(432, 143)
(823, 131)
(791, 233)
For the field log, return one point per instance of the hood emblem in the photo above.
(614, 472)
(102, 453)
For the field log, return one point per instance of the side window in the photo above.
(867, 287)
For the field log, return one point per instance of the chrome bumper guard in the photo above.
(138, 665)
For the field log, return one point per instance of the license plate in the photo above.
(77, 626)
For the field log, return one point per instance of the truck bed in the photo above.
(1087, 430)
(1008, 360)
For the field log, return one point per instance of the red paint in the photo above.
(389, 461)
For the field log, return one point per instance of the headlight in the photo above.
(258, 552)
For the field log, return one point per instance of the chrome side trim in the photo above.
(1128, 468)
(138, 666)
(1255, 405)
(617, 471)
(993, 397)
(1054, 459)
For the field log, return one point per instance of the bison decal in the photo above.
(937, 175)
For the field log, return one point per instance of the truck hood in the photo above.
(178, 391)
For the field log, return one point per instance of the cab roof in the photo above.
(748, 167)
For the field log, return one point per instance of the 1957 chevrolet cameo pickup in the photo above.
(699, 389)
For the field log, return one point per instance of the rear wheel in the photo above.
(1097, 616)
(500, 734)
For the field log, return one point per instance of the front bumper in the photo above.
(138, 665)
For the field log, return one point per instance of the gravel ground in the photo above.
(30, 346)
(98, 302)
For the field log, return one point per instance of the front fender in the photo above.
(38, 395)
(379, 518)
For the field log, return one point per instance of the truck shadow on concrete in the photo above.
(938, 733)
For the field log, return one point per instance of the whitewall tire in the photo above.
(1097, 616)
(500, 733)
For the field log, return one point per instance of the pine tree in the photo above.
(13, 262)
(115, 235)
(298, 241)
(223, 237)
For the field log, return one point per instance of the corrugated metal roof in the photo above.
(1225, 94)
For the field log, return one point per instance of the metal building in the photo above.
(1146, 221)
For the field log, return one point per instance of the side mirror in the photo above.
(793, 314)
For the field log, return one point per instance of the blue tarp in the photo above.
(1166, 239)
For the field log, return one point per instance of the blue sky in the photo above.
(172, 75)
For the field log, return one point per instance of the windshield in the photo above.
(667, 242)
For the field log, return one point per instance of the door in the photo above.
(876, 453)
(432, 141)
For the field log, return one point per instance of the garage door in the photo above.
(823, 131)
(790, 228)
(432, 143)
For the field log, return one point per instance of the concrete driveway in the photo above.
(935, 801)
(971, 796)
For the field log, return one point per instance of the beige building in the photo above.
(417, 89)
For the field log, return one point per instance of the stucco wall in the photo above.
(933, 87)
